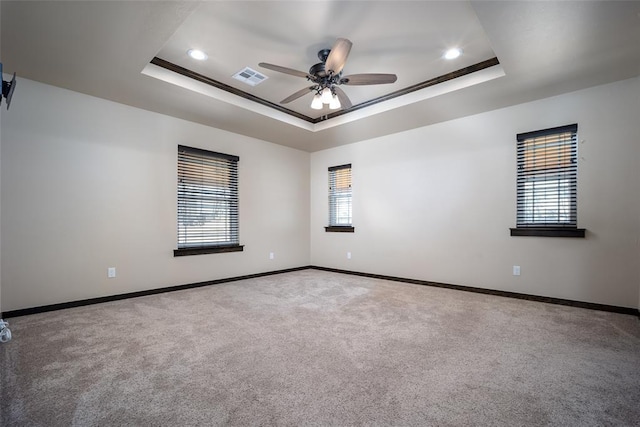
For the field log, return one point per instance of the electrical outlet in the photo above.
(272, 255)
(111, 272)
(348, 255)
(516, 270)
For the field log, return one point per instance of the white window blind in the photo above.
(340, 195)
(547, 178)
(207, 199)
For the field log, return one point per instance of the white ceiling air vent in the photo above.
(250, 76)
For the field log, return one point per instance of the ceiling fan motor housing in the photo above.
(323, 54)
(318, 70)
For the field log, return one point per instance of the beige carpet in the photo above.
(319, 348)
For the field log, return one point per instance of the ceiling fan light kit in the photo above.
(335, 103)
(327, 77)
(326, 95)
(316, 103)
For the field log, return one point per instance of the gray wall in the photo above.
(436, 203)
(89, 184)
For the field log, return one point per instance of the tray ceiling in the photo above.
(104, 49)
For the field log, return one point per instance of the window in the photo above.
(340, 199)
(547, 183)
(207, 202)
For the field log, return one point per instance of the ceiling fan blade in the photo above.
(285, 70)
(338, 56)
(368, 79)
(297, 95)
(345, 102)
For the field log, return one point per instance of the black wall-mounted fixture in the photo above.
(7, 88)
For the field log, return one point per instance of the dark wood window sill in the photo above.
(548, 232)
(339, 229)
(207, 250)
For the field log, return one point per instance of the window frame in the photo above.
(220, 167)
(335, 195)
(537, 173)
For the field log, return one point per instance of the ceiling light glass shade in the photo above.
(335, 103)
(453, 53)
(316, 104)
(197, 54)
(326, 95)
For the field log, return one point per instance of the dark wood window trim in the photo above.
(548, 232)
(340, 229)
(339, 192)
(541, 161)
(207, 250)
(337, 168)
(201, 175)
(544, 132)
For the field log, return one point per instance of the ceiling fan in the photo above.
(326, 77)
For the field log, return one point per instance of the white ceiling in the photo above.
(291, 34)
(104, 49)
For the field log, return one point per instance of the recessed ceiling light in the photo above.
(197, 54)
(453, 53)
